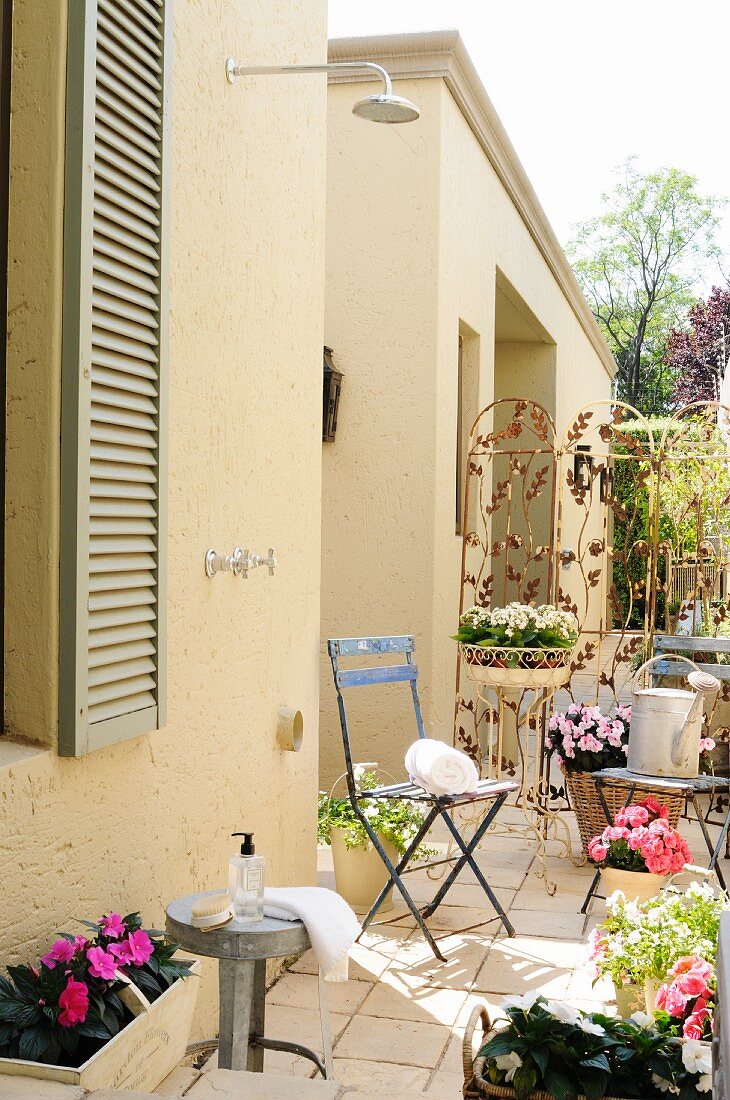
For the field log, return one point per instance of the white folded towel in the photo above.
(331, 925)
(439, 768)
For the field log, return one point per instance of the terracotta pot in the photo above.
(630, 998)
(636, 885)
(360, 873)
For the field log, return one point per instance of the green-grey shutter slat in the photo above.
(114, 430)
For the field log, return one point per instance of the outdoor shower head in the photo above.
(384, 107)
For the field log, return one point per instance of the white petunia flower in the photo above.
(663, 1085)
(589, 1027)
(563, 1012)
(510, 1062)
(525, 1002)
(696, 1056)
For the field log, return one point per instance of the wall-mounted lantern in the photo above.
(582, 465)
(330, 397)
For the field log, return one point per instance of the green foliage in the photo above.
(395, 820)
(567, 1053)
(638, 262)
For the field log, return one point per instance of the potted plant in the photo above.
(638, 946)
(549, 1049)
(584, 740)
(360, 873)
(518, 646)
(105, 1010)
(639, 851)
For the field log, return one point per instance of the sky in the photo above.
(580, 85)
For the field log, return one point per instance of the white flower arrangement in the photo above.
(518, 626)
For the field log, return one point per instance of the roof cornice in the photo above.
(442, 55)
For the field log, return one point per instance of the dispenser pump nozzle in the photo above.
(248, 848)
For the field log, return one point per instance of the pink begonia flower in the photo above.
(61, 952)
(559, 759)
(676, 1002)
(113, 926)
(692, 985)
(636, 838)
(135, 950)
(596, 850)
(654, 806)
(616, 832)
(706, 744)
(75, 1003)
(694, 1025)
(660, 1001)
(102, 964)
(696, 963)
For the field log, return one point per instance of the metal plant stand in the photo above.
(242, 951)
(689, 788)
(523, 707)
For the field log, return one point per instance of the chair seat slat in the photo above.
(388, 674)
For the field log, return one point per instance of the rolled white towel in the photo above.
(439, 768)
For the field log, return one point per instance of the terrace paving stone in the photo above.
(401, 1041)
(393, 999)
(382, 1078)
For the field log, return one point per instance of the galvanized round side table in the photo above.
(242, 951)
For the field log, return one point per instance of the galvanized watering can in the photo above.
(666, 724)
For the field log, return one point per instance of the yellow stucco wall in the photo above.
(399, 288)
(132, 826)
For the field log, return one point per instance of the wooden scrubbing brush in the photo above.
(212, 912)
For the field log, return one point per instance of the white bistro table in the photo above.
(242, 951)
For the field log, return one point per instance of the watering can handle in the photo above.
(662, 657)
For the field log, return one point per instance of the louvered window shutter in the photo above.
(113, 433)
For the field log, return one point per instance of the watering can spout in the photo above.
(705, 685)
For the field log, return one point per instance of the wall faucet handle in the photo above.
(270, 561)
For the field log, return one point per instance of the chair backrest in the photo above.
(371, 676)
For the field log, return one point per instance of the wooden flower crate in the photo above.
(141, 1055)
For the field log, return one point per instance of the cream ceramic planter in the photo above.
(537, 668)
(629, 999)
(360, 873)
(141, 1055)
(635, 885)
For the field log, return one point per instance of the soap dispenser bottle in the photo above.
(246, 882)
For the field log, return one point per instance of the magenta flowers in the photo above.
(74, 1003)
(134, 951)
(61, 952)
(101, 964)
(641, 839)
(113, 926)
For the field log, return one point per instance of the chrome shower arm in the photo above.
(233, 71)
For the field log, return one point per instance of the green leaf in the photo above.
(598, 1061)
(68, 1037)
(524, 1080)
(33, 1044)
(558, 1083)
(93, 1029)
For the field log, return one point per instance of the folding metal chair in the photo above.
(494, 791)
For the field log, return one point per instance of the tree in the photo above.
(637, 263)
(699, 355)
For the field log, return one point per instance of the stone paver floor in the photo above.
(398, 1023)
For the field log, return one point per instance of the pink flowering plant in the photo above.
(685, 1003)
(68, 1006)
(641, 839)
(584, 739)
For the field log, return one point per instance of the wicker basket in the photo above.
(584, 801)
(476, 1087)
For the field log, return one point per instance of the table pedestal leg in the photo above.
(242, 993)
